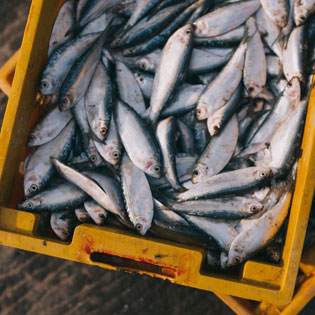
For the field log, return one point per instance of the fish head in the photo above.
(281, 18)
(263, 174)
(66, 102)
(237, 255)
(144, 63)
(153, 168)
(31, 184)
(214, 123)
(100, 129)
(253, 206)
(29, 204)
(202, 111)
(254, 89)
(199, 173)
(300, 15)
(32, 138)
(184, 34)
(113, 153)
(201, 28)
(142, 225)
(47, 85)
(293, 90)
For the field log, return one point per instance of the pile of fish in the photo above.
(180, 119)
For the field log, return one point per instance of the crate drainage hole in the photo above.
(129, 264)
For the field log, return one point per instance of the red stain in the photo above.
(149, 164)
(87, 245)
(29, 18)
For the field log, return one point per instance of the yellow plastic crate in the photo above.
(115, 249)
(7, 74)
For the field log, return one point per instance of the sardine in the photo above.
(171, 71)
(137, 194)
(277, 11)
(228, 183)
(225, 18)
(302, 10)
(217, 154)
(140, 145)
(62, 225)
(82, 215)
(97, 213)
(65, 196)
(38, 168)
(99, 101)
(48, 127)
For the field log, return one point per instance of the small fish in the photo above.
(64, 196)
(302, 10)
(82, 215)
(165, 133)
(169, 73)
(139, 144)
(38, 168)
(62, 227)
(217, 154)
(228, 183)
(96, 212)
(137, 194)
(98, 102)
(48, 127)
(278, 11)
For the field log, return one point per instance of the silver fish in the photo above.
(255, 68)
(61, 225)
(294, 54)
(221, 89)
(128, 88)
(61, 61)
(259, 233)
(111, 149)
(146, 83)
(225, 18)
(221, 231)
(274, 66)
(284, 105)
(48, 127)
(302, 10)
(137, 141)
(137, 194)
(171, 71)
(64, 22)
(99, 101)
(165, 133)
(78, 79)
(38, 168)
(149, 62)
(99, 24)
(65, 196)
(228, 183)
(82, 215)
(96, 212)
(217, 154)
(225, 208)
(277, 11)
(87, 185)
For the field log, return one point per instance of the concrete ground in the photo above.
(37, 284)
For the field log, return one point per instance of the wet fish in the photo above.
(82, 215)
(48, 127)
(137, 194)
(97, 213)
(64, 196)
(165, 133)
(61, 225)
(277, 11)
(137, 140)
(169, 73)
(217, 154)
(38, 168)
(225, 18)
(99, 101)
(302, 10)
(228, 183)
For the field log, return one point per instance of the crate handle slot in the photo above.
(132, 265)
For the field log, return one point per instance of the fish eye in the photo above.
(290, 84)
(188, 32)
(237, 259)
(262, 174)
(102, 216)
(93, 158)
(103, 131)
(303, 18)
(139, 227)
(157, 169)
(44, 84)
(251, 89)
(116, 155)
(65, 101)
(34, 188)
(199, 112)
(29, 205)
(253, 208)
(195, 173)
(143, 65)
(31, 137)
